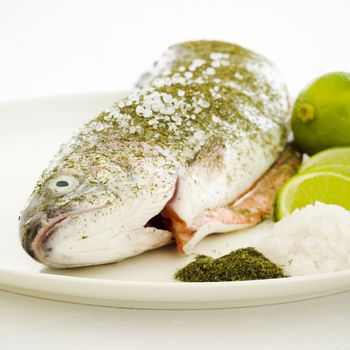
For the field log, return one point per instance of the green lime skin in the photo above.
(321, 113)
(336, 157)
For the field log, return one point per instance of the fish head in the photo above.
(96, 211)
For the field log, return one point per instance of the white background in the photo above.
(61, 47)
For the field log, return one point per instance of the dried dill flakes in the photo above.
(239, 265)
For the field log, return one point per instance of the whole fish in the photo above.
(203, 127)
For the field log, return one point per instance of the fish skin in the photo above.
(171, 143)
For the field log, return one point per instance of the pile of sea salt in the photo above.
(314, 239)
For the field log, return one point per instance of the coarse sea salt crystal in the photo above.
(123, 123)
(139, 129)
(195, 64)
(170, 110)
(159, 82)
(140, 110)
(176, 119)
(152, 122)
(313, 239)
(203, 103)
(215, 118)
(156, 106)
(218, 55)
(166, 71)
(178, 80)
(199, 80)
(172, 126)
(210, 71)
(147, 113)
(167, 98)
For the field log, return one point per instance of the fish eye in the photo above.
(63, 184)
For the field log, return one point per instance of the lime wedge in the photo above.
(339, 155)
(339, 168)
(327, 187)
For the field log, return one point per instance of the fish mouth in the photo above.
(40, 230)
(42, 235)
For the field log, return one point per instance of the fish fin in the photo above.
(206, 230)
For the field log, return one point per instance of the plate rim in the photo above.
(25, 281)
(4, 271)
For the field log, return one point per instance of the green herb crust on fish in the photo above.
(204, 126)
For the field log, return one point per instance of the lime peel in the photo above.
(331, 156)
(339, 168)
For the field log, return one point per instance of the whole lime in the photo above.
(321, 113)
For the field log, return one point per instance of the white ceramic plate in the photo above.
(30, 133)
